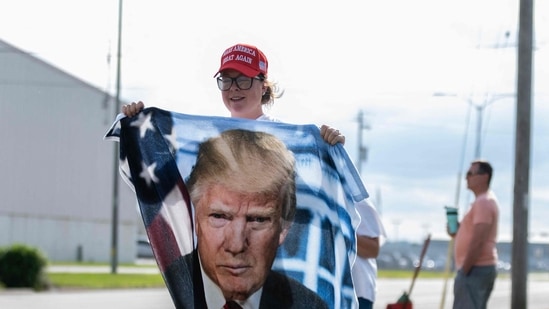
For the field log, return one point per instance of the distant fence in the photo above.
(405, 255)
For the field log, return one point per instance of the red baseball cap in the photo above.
(244, 58)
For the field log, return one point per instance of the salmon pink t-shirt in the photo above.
(483, 210)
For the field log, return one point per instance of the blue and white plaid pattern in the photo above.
(158, 150)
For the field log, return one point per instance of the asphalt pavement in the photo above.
(426, 294)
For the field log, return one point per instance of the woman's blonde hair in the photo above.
(273, 92)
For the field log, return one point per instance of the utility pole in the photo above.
(489, 99)
(519, 270)
(363, 154)
(115, 195)
(362, 150)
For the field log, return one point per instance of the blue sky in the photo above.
(386, 58)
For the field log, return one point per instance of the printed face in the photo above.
(243, 103)
(238, 236)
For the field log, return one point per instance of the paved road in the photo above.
(104, 299)
(426, 294)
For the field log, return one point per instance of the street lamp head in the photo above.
(444, 94)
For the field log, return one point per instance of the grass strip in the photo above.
(403, 274)
(125, 281)
(105, 280)
(128, 281)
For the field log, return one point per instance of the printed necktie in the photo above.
(231, 305)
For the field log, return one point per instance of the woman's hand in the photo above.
(133, 109)
(331, 135)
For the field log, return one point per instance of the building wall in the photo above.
(57, 171)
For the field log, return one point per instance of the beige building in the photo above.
(56, 170)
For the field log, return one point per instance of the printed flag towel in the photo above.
(157, 151)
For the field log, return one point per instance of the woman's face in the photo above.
(243, 103)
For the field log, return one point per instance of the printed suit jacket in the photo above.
(279, 291)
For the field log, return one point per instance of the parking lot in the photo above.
(405, 255)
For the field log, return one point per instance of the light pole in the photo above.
(115, 190)
(480, 112)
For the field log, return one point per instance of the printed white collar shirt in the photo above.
(215, 298)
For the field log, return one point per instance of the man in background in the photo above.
(475, 242)
(370, 234)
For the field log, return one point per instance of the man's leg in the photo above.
(473, 290)
(481, 283)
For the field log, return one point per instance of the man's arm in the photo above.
(480, 235)
(368, 247)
